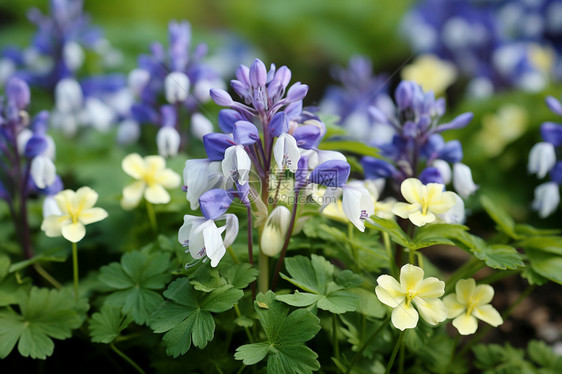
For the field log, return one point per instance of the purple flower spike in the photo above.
(35, 146)
(169, 116)
(227, 119)
(301, 174)
(180, 38)
(297, 92)
(3, 192)
(214, 203)
(216, 144)
(552, 132)
(279, 124)
(554, 105)
(374, 168)
(556, 173)
(245, 133)
(457, 123)
(221, 97)
(451, 152)
(40, 122)
(283, 75)
(333, 173)
(378, 115)
(431, 175)
(258, 73)
(308, 136)
(18, 93)
(404, 94)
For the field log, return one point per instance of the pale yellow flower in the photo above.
(412, 289)
(501, 128)
(424, 201)
(152, 179)
(430, 72)
(76, 210)
(470, 302)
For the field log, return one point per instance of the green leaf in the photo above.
(348, 279)
(4, 265)
(350, 146)
(546, 264)
(528, 230)
(186, 316)
(551, 244)
(107, 324)
(51, 255)
(207, 279)
(315, 276)
(496, 256)
(44, 315)
(135, 280)
(543, 355)
(286, 334)
(240, 275)
(369, 304)
(392, 229)
(437, 233)
(501, 218)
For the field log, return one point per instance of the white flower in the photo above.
(137, 80)
(152, 178)
(168, 141)
(275, 230)
(357, 204)
(424, 201)
(542, 159)
(76, 210)
(199, 176)
(547, 198)
(128, 132)
(470, 302)
(456, 215)
(98, 114)
(7, 69)
(412, 289)
(203, 86)
(286, 152)
(73, 55)
(43, 171)
(444, 170)
(236, 164)
(176, 87)
(462, 180)
(200, 125)
(204, 239)
(68, 96)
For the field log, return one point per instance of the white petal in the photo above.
(185, 229)
(542, 159)
(291, 153)
(231, 229)
(389, 291)
(279, 150)
(74, 232)
(168, 141)
(132, 194)
(228, 163)
(214, 246)
(466, 324)
(454, 308)
(176, 87)
(156, 194)
(410, 277)
(92, 215)
(432, 311)
(43, 171)
(243, 164)
(462, 180)
(488, 314)
(444, 170)
(404, 317)
(547, 198)
(134, 165)
(200, 126)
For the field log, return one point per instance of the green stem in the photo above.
(452, 356)
(233, 255)
(394, 352)
(505, 315)
(151, 217)
(465, 271)
(353, 248)
(358, 354)
(238, 314)
(263, 276)
(388, 247)
(48, 277)
(411, 254)
(401, 359)
(75, 268)
(335, 337)
(126, 358)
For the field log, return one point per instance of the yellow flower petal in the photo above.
(52, 225)
(466, 324)
(64, 200)
(413, 190)
(465, 290)
(410, 277)
(431, 288)
(85, 198)
(167, 178)
(92, 215)
(444, 203)
(488, 314)
(403, 210)
(483, 294)
(433, 311)
(74, 232)
(419, 219)
(132, 194)
(134, 165)
(404, 317)
(453, 306)
(156, 194)
(389, 291)
(155, 163)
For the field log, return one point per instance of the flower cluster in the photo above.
(183, 78)
(57, 49)
(417, 148)
(468, 303)
(498, 45)
(543, 160)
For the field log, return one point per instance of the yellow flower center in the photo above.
(410, 296)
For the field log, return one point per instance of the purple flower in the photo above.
(332, 173)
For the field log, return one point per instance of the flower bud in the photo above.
(200, 125)
(462, 180)
(547, 198)
(168, 141)
(444, 170)
(176, 87)
(541, 159)
(220, 97)
(18, 93)
(274, 231)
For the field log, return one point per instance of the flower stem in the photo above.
(391, 262)
(238, 314)
(126, 358)
(233, 255)
(151, 217)
(75, 268)
(358, 354)
(394, 352)
(453, 349)
(48, 277)
(286, 243)
(335, 337)
(263, 276)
